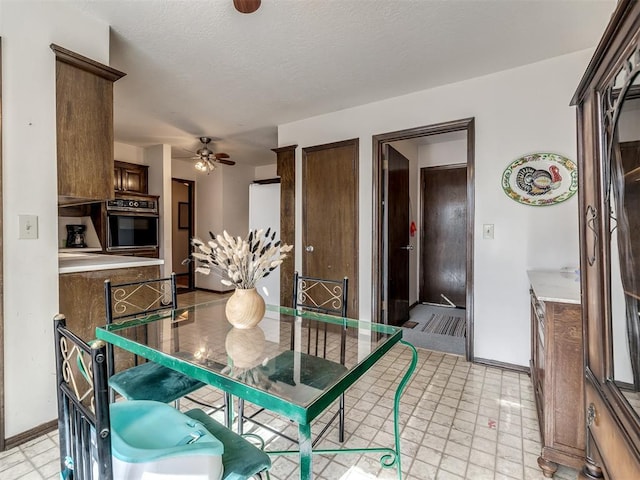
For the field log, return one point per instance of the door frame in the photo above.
(191, 184)
(378, 287)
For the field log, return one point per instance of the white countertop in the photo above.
(556, 285)
(88, 262)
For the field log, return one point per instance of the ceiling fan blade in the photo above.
(226, 162)
(221, 155)
(246, 6)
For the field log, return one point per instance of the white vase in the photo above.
(245, 308)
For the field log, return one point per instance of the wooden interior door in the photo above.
(330, 215)
(182, 231)
(443, 245)
(397, 261)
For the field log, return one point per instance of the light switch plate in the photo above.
(28, 225)
(487, 231)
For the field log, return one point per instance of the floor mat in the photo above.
(444, 324)
(409, 324)
(432, 319)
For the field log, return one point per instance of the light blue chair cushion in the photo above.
(150, 381)
(145, 431)
(241, 459)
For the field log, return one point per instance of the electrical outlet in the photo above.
(487, 231)
(28, 225)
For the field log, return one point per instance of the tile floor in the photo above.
(458, 421)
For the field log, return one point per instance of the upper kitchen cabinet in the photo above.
(84, 127)
(130, 177)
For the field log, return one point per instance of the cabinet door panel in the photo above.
(131, 177)
(132, 181)
(84, 134)
(613, 447)
(84, 127)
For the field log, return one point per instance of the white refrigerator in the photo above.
(264, 212)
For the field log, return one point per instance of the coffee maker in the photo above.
(75, 236)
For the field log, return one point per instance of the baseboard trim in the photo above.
(35, 432)
(502, 365)
(220, 292)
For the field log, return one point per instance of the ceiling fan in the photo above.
(207, 159)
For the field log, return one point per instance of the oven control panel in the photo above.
(132, 205)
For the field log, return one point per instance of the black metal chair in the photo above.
(87, 422)
(148, 380)
(328, 297)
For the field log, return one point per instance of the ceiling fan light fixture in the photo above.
(204, 166)
(206, 159)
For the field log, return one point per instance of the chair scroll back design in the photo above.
(321, 296)
(144, 381)
(125, 301)
(83, 405)
(129, 300)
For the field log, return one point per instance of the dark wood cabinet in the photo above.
(556, 373)
(84, 127)
(81, 298)
(607, 101)
(130, 177)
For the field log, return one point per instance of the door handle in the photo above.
(309, 248)
(592, 216)
(407, 247)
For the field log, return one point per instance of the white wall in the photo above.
(222, 203)
(266, 171)
(158, 157)
(235, 209)
(443, 153)
(128, 153)
(517, 111)
(29, 182)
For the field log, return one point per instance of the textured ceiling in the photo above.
(201, 68)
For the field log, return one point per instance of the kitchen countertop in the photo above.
(88, 262)
(556, 285)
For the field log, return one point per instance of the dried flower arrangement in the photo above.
(243, 261)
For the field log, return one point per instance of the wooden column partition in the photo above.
(286, 158)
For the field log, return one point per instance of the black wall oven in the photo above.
(132, 224)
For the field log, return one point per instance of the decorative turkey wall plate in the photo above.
(540, 179)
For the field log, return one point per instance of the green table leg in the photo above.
(228, 411)
(389, 460)
(391, 457)
(304, 440)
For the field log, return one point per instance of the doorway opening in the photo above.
(391, 199)
(182, 231)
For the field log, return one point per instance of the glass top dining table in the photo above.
(271, 365)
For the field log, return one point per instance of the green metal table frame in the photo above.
(301, 414)
(391, 456)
